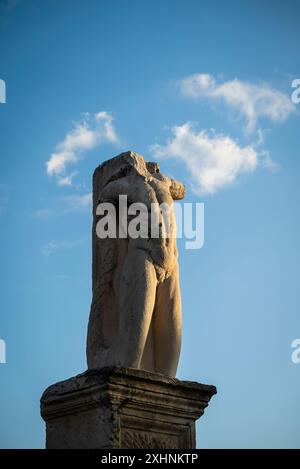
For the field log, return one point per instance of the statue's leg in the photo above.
(148, 357)
(137, 287)
(167, 325)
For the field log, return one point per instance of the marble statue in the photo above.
(135, 318)
(129, 396)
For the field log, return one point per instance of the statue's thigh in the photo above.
(167, 313)
(137, 285)
(168, 301)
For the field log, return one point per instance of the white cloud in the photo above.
(213, 161)
(251, 101)
(93, 131)
(51, 247)
(66, 180)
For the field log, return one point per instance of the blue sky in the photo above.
(205, 88)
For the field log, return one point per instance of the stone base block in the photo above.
(123, 408)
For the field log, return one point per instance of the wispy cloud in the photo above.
(66, 180)
(249, 100)
(76, 203)
(41, 213)
(213, 161)
(52, 246)
(94, 130)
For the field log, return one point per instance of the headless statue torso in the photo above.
(135, 318)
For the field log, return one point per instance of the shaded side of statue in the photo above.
(135, 318)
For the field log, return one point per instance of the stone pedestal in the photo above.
(123, 408)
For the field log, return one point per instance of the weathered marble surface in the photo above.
(135, 318)
(123, 408)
